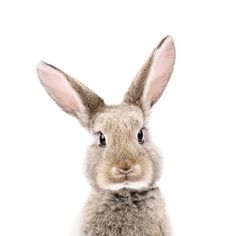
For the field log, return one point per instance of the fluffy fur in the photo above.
(122, 171)
(125, 213)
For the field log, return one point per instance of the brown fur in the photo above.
(120, 124)
(135, 92)
(90, 100)
(123, 172)
(136, 89)
(125, 213)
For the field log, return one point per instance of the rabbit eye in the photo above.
(140, 136)
(102, 139)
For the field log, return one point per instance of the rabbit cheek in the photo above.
(103, 176)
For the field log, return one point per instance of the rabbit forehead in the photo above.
(124, 116)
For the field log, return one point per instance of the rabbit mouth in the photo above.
(133, 176)
(126, 179)
(126, 174)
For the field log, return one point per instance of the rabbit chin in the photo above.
(130, 185)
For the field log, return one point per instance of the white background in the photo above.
(103, 43)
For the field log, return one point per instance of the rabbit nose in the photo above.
(125, 170)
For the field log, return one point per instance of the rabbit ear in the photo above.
(71, 95)
(150, 82)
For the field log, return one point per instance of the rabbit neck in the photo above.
(125, 212)
(126, 195)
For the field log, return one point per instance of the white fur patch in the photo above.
(130, 185)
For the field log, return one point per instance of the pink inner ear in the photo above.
(59, 88)
(162, 67)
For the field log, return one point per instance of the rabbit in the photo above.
(122, 165)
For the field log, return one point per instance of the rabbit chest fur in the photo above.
(125, 213)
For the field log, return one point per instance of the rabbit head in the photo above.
(122, 155)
